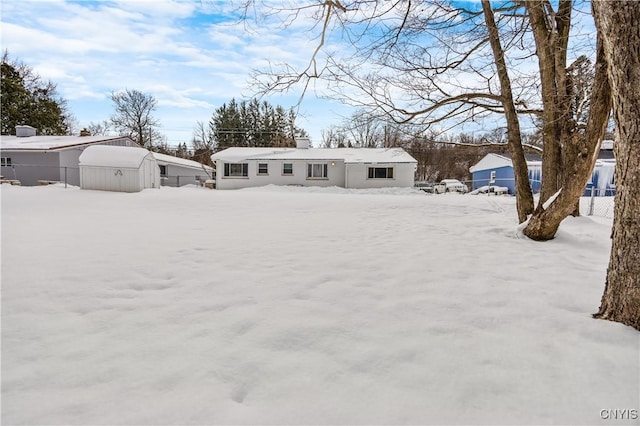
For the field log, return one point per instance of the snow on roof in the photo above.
(164, 159)
(113, 156)
(348, 155)
(491, 161)
(39, 143)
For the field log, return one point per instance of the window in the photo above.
(163, 171)
(317, 171)
(236, 169)
(6, 162)
(287, 169)
(263, 169)
(380, 172)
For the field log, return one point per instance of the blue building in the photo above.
(497, 169)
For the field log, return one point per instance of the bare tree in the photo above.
(101, 128)
(364, 129)
(203, 143)
(617, 24)
(580, 152)
(524, 201)
(434, 63)
(334, 137)
(133, 117)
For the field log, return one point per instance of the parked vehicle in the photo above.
(450, 185)
(424, 186)
(491, 189)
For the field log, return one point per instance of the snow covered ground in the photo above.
(303, 306)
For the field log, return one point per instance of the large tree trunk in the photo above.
(524, 196)
(544, 223)
(618, 24)
(551, 45)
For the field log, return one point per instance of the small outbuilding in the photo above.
(120, 169)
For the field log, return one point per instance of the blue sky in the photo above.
(192, 56)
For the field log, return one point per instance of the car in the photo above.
(450, 185)
(491, 189)
(424, 186)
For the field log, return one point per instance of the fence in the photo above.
(599, 203)
(38, 174)
(177, 181)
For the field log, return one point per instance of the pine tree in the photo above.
(253, 124)
(28, 100)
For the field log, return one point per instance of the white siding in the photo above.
(335, 174)
(111, 179)
(357, 176)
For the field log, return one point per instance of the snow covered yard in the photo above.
(304, 306)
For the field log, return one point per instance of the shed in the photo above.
(120, 169)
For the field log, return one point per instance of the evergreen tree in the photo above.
(253, 124)
(28, 100)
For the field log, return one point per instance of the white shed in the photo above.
(117, 168)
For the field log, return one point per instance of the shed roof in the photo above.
(52, 143)
(348, 155)
(164, 159)
(113, 156)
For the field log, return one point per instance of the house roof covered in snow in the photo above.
(491, 161)
(164, 159)
(113, 156)
(496, 161)
(51, 143)
(348, 155)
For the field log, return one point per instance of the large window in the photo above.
(287, 169)
(6, 161)
(380, 172)
(163, 171)
(317, 171)
(236, 169)
(263, 168)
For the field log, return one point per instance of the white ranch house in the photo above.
(344, 167)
